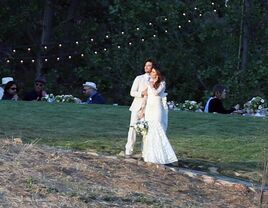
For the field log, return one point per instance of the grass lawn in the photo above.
(230, 142)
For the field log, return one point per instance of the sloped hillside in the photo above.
(41, 176)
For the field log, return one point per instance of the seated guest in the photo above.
(38, 92)
(94, 97)
(5, 80)
(214, 104)
(11, 91)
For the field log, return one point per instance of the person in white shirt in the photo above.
(5, 80)
(138, 91)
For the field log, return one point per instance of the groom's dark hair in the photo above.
(149, 60)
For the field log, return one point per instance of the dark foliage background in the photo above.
(228, 45)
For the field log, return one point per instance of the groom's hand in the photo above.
(144, 93)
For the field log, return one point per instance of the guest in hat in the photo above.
(11, 91)
(94, 97)
(38, 92)
(5, 80)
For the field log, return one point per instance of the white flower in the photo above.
(141, 127)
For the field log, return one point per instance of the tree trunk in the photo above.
(244, 36)
(46, 31)
(71, 14)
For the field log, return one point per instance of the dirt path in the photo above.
(35, 176)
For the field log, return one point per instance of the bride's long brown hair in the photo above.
(160, 77)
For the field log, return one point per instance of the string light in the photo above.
(45, 47)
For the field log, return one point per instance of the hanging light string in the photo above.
(156, 27)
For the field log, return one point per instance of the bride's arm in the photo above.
(160, 89)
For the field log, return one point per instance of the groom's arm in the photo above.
(134, 92)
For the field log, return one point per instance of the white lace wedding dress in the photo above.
(156, 147)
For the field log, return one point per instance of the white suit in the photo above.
(139, 85)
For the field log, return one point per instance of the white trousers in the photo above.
(131, 139)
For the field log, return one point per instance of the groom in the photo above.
(138, 91)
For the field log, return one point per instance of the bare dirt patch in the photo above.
(41, 176)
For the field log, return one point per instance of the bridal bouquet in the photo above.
(255, 104)
(191, 105)
(141, 127)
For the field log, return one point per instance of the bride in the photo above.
(156, 147)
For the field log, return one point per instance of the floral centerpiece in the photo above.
(254, 105)
(191, 105)
(65, 99)
(141, 127)
(49, 98)
(60, 98)
(173, 105)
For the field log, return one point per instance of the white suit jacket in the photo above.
(139, 85)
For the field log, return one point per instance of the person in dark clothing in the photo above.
(11, 91)
(38, 92)
(215, 105)
(94, 97)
